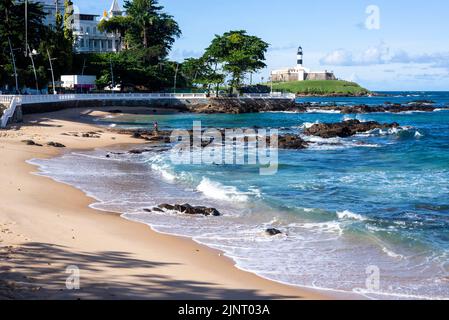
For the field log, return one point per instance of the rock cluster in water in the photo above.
(346, 128)
(388, 107)
(186, 209)
(273, 232)
(239, 106)
(292, 142)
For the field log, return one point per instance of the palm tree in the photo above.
(145, 26)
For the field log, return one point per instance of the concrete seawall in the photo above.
(211, 105)
(169, 104)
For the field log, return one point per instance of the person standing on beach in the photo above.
(156, 127)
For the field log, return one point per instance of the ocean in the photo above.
(367, 214)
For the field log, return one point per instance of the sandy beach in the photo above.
(47, 226)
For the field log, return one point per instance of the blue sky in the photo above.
(407, 48)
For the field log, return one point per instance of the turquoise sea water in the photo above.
(379, 199)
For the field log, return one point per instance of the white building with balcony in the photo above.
(87, 36)
(50, 7)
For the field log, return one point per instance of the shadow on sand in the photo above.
(38, 271)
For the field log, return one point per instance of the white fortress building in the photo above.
(300, 73)
(87, 36)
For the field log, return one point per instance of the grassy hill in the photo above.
(321, 87)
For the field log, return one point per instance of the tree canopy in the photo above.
(147, 35)
(40, 38)
(145, 27)
(233, 54)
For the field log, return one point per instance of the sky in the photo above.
(381, 44)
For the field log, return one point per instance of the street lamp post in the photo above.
(33, 53)
(14, 65)
(26, 28)
(112, 75)
(52, 73)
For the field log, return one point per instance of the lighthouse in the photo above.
(299, 72)
(299, 58)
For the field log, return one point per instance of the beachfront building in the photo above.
(87, 36)
(78, 83)
(299, 72)
(50, 7)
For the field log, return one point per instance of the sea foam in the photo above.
(216, 190)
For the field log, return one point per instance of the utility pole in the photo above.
(14, 65)
(34, 67)
(176, 77)
(26, 28)
(84, 67)
(52, 73)
(112, 74)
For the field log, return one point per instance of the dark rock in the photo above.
(115, 111)
(346, 128)
(184, 208)
(291, 141)
(90, 135)
(191, 210)
(55, 144)
(212, 212)
(148, 210)
(273, 232)
(31, 143)
(156, 209)
(139, 151)
(167, 207)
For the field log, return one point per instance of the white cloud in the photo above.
(371, 56)
(382, 54)
(337, 58)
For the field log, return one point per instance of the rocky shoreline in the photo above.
(287, 141)
(236, 106)
(385, 108)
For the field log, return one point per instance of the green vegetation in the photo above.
(42, 40)
(320, 87)
(147, 35)
(231, 55)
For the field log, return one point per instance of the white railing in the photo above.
(4, 99)
(8, 113)
(14, 100)
(105, 96)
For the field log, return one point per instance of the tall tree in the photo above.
(238, 53)
(202, 71)
(12, 29)
(68, 20)
(146, 27)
